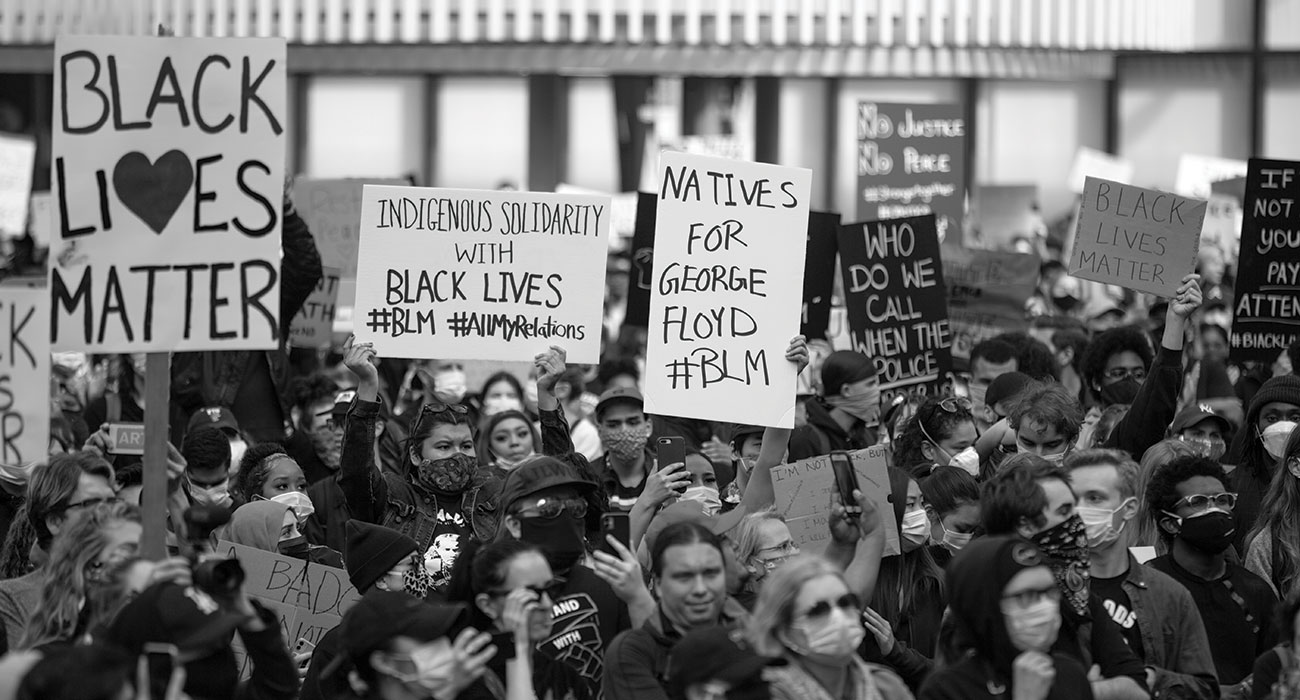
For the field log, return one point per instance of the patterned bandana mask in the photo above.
(625, 443)
(417, 580)
(1066, 549)
(448, 475)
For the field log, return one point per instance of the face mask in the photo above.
(417, 581)
(1210, 449)
(955, 541)
(1066, 549)
(1210, 532)
(1100, 524)
(1057, 458)
(299, 502)
(1275, 436)
(1033, 628)
(449, 386)
(218, 495)
(836, 639)
(916, 527)
(625, 443)
(497, 404)
(508, 464)
(295, 547)
(706, 496)
(1066, 302)
(968, 460)
(865, 406)
(559, 538)
(435, 668)
(1121, 392)
(16, 475)
(977, 393)
(237, 449)
(449, 474)
(328, 447)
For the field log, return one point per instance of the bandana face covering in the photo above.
(1066, 549)
(449, 474)
(417, 580)
(625, 443)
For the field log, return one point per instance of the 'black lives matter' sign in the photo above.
(168, 180)
(1266, 310)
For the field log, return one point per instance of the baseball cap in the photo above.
(625, 394)
(218, 417)
(382, 615)
(713, 653)
(342, 401)
(172, 614)
(1195, 414)
(536, 475)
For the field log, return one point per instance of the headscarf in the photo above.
(976, 577)
(257, 524)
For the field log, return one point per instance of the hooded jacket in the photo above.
(258, 524)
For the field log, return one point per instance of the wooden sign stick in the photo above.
(153, 497)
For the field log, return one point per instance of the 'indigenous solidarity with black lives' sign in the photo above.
(467, 274)
(728, 280)
(1266, 310)
(168, 178)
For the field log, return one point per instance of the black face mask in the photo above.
(1210, 532)
(559, 538)
(1065, 303)
(1122, 392)
(295, 547)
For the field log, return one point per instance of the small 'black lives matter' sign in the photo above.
(897, 302)
(1266, 310)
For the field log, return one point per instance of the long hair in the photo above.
(51, 486)
(1279, 513)
(774, 610)
(744, 539)
(1146, 533)
(76, 596)
(930, 423)
(484, 443)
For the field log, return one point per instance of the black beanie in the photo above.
(845, 367)
(373, 551)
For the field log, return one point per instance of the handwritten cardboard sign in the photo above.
(910, 163)
(803, 496)
(313, 327)
(24, 375)
(1089, 162)
(1140, 239)
(728, 276)
(17, 154)
(639, 281)
(1266, 309)
(819, 273)
(461, 274)
(168, 180)
(987, 290)
(897, 302)
(332, 211)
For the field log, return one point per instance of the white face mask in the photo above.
(449, 386)
(916, 527)
(17, 475)
(298, 502)
(1275, 436)
(1033, 628)
(496, 404)
(968, 460)
(1057, 458)
(1100, 523)
(955, 541)
(218, 495)
(706, 496)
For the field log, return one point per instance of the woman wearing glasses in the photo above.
(444, 498)
(507, 586)
(1004, 595)
(807, 616)
(941, 434)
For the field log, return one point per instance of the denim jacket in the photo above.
(1173, 636)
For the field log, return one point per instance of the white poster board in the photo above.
(1089, 162)
(727, 292)
(168, 180)
(24, 375)
(1196, 173)
(17, 153)
(485, 275)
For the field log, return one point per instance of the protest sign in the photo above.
(987, 290)
(25, 378)
(726, 293)
(1266, 309)
(1196, 174)
(897, 302)
(1139, 239)
(40, 219)
(168, 181)
(457, 274)
(1089, 162)
(332, 211)
(1004, 213)
(910, 163)
(17, 154)
(313, 327)
(819, 274)
(643, 250)
(803, 496)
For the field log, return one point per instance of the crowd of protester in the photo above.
(1099, 506)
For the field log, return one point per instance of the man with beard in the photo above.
(317, 426)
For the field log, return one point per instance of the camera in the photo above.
(218, 577)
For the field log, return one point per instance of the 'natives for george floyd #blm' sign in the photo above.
(168, 180)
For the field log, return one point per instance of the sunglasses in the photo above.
(1025, 599)
(433, 408)
(539, 591)
(822, 608)
(1200, 501)
(551, 508)
(955, 404)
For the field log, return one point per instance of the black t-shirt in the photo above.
(1120, 608)
(586, 615)
(1238, 613)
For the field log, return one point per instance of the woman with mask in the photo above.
(267, 473)
(702, 486)
(907, 606)
(942, 433)
(272, 526)
(807, 615)
(1273, 546)
(1004, 596)
(507, 440)
(506, 586)
(763, 544)
(1259, 447)
(952, 503)
(443, 500)
(501, 392)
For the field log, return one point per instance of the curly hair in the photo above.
(932, 423)
(1112, 342)
(1162, 490)
(1154, 459)
(311, 389)
(253, 469)
(1014, 493)
(1048, 405)
(1032, 356)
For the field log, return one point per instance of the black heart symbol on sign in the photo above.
(153, 191)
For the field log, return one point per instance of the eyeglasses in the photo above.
(539, 591)
(1025, 599)
(90, 503)
(1200, 501)
(436, 407)
(1118, 373)
(551, 508)
(822, 608)
(784, 551)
